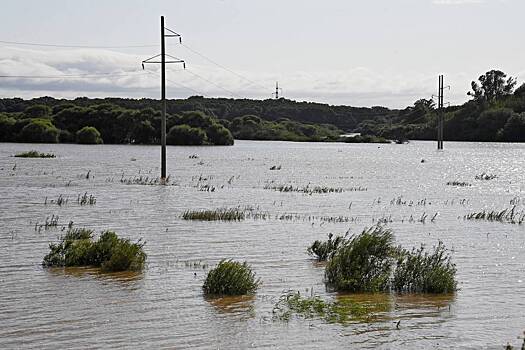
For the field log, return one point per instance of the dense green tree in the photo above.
(37, 111)
(514, 129)
(6, 128)
(185, 135)
(40, 131)
(219, 135)
(492, 86)
(89, 135)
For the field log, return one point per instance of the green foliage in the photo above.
(219, 135)
(109, 252)
(322, 250)
(37, 111)
(34, 154)
(214, 215)
(89, 135)
(39, 131)
(492, 86)
(418, 271)
(185, 135)
(363, 262)
(231, 278)
(6, 127)
(341, 311)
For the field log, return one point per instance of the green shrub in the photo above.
(231, 278)
(89, 135)
(219, 135)
(6, 127)
(322, 250)
(419, 271)
(110, 253)
(40, 131)
(363, 262)
(185, 135)
(214, 215)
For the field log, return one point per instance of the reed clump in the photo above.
(485, 176)
(231, 214)
(34, 154)
(110, 252)
(370, 262)
(308, 189)
(322, 250)
(508, 215)
(231, 278)
(458, 183)
(419, 271)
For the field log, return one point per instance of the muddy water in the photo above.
(164, 307)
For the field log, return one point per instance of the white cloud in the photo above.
(359, 86)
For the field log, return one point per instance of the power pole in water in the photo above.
(440, 114)
(163, 89)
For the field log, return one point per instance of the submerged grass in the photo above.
(34, 154)
(509, 215)
(232, 214)
(231, 278)
(338, 311)
(109, 252)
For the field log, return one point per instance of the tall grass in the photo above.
(322, 250)
(370, 262)
(420, 271)
(362, 264)
(34, 154)
(232, 214)
(231, 278)
(109, 252)
(509, 215)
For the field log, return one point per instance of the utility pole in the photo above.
(163, 89)
(440, 114)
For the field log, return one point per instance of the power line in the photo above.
(223, 67)
(74, 46)
(176, 83)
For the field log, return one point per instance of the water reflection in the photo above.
(123, 277)
(238, 305)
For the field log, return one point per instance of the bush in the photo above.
(219, 135)
(110, 252)
(37, 111)
(6, 126)
(363, 263)
(185, 135)
(323, 250)
(230, 278)
(419, 271)
(34, 154)
(89, 135)
(39, 130)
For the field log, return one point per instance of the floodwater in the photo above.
(164, 307)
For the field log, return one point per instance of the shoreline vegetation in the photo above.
(495, 113)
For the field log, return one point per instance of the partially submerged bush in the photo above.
(34, 154)
(109, 252)
(231, 278)
(322, 250)
(363, 263)
(420, 271)
(369, 262)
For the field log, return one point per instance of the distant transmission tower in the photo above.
(277, 89)
(163, 88)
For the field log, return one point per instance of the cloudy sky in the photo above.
(353, 52)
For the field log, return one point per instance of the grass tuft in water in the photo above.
(363, 262)
(109, 252)
(419, 271)
(34, 154)
(509, 215)
(231, 278)
(369, 262)
(233, 214)
(322, 250)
